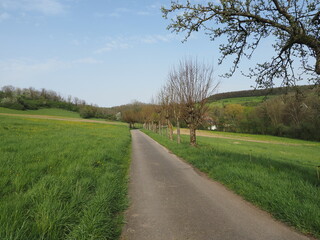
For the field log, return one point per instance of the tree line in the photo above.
(32, 99)
(295, 115)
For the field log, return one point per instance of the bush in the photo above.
(12, 103)
(87, 112)
(29, 103)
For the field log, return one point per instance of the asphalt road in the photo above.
(171, 201)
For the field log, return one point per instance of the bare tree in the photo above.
(192, 85)
(164, 97)
(173, 92)
(293, 25)
(131, 113)
(8, 91)
(147, 116)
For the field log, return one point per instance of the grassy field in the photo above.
(62, 180)
(279, 178)
(245, 101)
(255, 137)
(45, 111)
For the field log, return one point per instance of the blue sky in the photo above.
(105, 52)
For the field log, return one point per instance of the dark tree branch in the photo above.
(293, 23)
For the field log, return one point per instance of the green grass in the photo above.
(62, 180)
(280, 179)
(45, 111)
(245, 101)
(259, 137)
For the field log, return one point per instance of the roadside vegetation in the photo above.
(279, 178)
(62, 180)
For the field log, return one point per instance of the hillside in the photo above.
(258, 93)
(244, 101)
(30, 99)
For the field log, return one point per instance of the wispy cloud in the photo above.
(146, 11)
(115, 44)
(27, 65)
(156, 38)
(26, 70)
(143, 13)
(4, 16)
(46, 7)
(22, 68)
(118, 12)
(88, 60)
(80, 41)
(121, 43)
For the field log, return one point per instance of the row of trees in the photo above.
(182, 100)
(295, 115)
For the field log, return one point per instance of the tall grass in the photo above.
(280, 179)
(62, 180)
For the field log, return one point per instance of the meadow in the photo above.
(45, 111)
(62, 180)
(279, 176)
(254, 137)
(245, 101)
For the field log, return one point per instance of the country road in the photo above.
(171, 201)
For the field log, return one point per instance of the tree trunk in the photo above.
(178, 131)
(193, 139)
(167, 129)
(170, 129)
(318, 62)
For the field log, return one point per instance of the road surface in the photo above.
(171, 201)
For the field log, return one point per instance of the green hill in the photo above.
(250, 94)
(244, 101)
